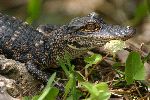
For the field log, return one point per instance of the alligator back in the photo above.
(18, 40)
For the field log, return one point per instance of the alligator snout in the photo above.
(117, 32)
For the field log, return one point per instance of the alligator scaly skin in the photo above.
(40, 49)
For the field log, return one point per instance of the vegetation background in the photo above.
(123, 12)
(61, 11)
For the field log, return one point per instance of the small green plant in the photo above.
(93, 59)
(70, 88)
(98, 91)
(134, 70)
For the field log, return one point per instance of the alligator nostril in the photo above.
(131, 30)
(128, 27)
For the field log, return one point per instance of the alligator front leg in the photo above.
(39, 74)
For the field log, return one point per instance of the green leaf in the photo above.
(63, 66)
(26, 98)
(49, 89)
(70, 73)
(52, 94)
(68, 85)
(91, 88)
(102, 86)
(134, 69)
(67, 58)
(65, 63)
(93, 59)
(35, 97)
(98, 91)
(78, 95)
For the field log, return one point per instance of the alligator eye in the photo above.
(91, 27)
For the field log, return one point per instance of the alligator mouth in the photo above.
(76, 45)
(76, 48)
(100, 38)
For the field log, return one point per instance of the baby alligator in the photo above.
(40, 49)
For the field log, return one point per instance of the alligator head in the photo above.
(91, 31)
